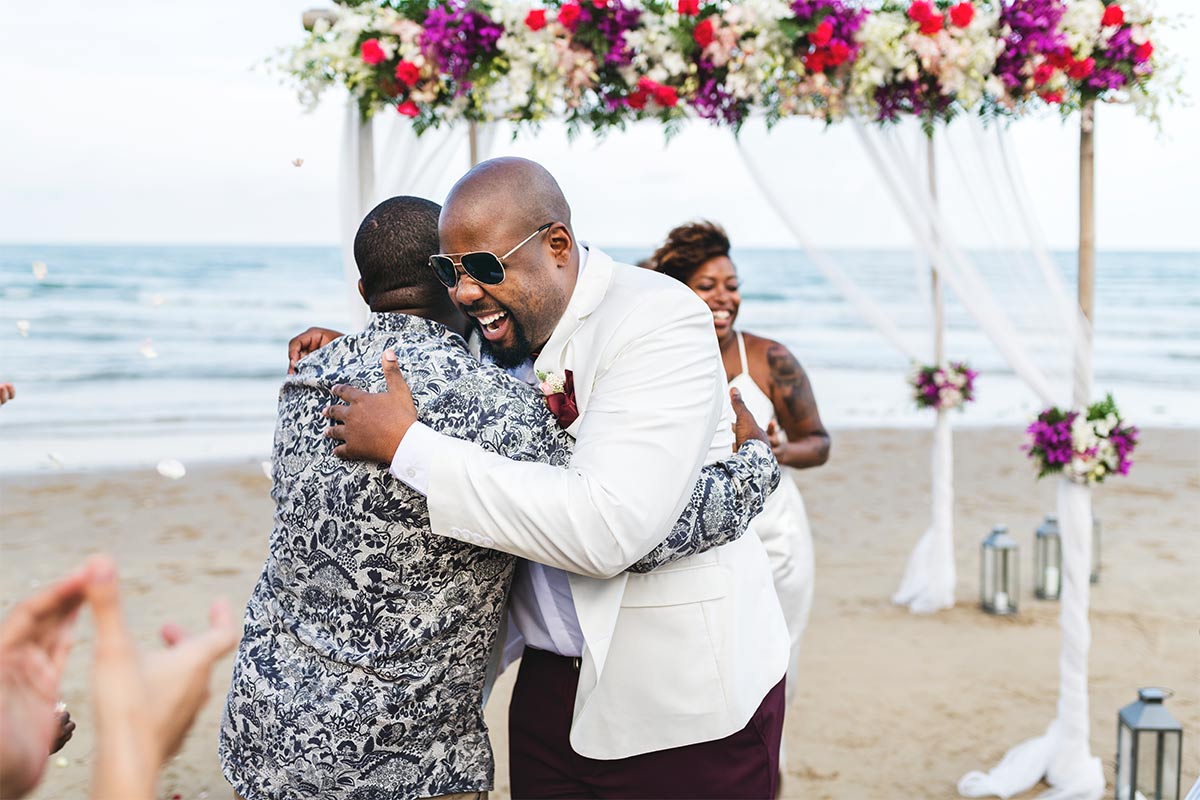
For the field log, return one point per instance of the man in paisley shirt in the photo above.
(361, 671)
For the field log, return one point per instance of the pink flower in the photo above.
(1043, 73)
(1053, 97)
(407, 73)
(535, 20)
(962, 14)
(1113, 15)
(408, 108)
(821, 36)
(372, 53)
(689, 8)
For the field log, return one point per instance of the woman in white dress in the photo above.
(777, 391)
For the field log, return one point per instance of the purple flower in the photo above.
(456, 38)
(1032, 31)
(612, 22)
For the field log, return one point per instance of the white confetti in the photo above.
(171, 469)
(266, 468)
(23, 327)
(40, 270)
(147, 349)
(297, 162)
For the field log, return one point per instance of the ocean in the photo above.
(128, 355)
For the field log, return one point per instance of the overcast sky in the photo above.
(137, 121)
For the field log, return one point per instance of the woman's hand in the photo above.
(144, 705)
(310, 341)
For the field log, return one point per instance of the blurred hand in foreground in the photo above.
(310, 341)
(7, 392)
(144, 705)
(35, 639)
(744, 426)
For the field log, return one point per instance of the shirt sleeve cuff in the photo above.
(414, 457)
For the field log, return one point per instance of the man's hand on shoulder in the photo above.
(371, 426)
(310, 341)
(744, 426)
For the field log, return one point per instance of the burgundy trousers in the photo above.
(543, 765)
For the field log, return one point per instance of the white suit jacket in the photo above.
(680, 655)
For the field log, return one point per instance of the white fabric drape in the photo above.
(929, 576)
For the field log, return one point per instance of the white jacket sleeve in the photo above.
(643, 438)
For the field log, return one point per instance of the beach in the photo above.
(890, 705)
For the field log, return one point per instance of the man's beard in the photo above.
(511, 356)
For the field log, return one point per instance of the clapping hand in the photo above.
(144, 705)
(35, 640)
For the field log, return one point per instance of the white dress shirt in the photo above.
(540, 605)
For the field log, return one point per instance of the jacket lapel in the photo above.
(589, 291)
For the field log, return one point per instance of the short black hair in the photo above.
(393, 246)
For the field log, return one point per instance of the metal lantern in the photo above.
(1149, 749)
(999, 572)
(1095, 578)
(1047, 560)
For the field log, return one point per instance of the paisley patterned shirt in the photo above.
(366, 640)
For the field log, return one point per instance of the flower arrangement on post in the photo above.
(825, 44)
(943, 388)
(929, 59)
(1086, 446)
(1032, 43)
(1108, 53)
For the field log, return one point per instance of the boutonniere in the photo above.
(559, 391)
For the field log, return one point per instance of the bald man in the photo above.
(664, 684)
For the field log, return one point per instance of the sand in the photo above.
(890, 705)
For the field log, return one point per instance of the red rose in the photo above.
(600, 3)
(637, 100)
(1081, 69)
(1113, 15)
(407, 73)
(1061, 59)
(704, 33)
(1043, 73)
(1053, 97)
(408, 108)
(568, 16)
(962, 14)
(562, 404)
(839, 51)
(934, 24)
(920, 11)
(821, 36)
(815, 61)
(666, 96)
(1143, 53)
(535, 20)
(689, 8)
(372, 53)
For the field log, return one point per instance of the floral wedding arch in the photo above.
(599, 65)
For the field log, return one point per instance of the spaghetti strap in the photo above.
(742, 351)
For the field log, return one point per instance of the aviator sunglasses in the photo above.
(482, 266)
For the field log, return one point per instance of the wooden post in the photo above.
(939, 299)
(473, 143)
(310, 17)
(1087, 252)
